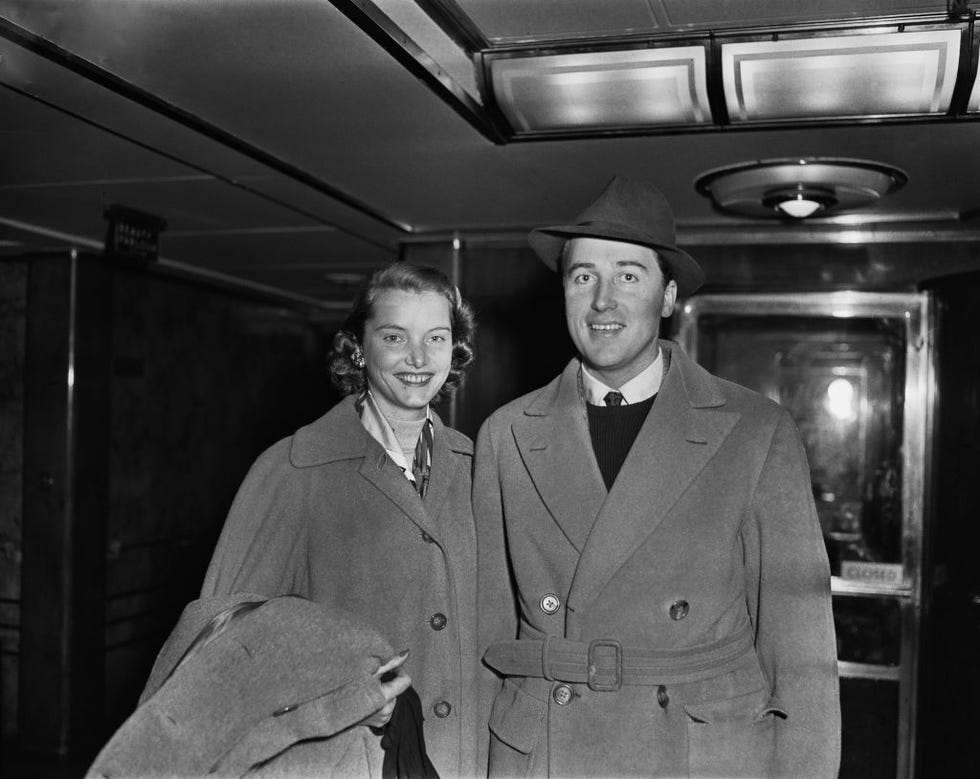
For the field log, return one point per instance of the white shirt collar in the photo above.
(644, 385)
(375, 422)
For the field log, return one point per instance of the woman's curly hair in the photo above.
(349, 379)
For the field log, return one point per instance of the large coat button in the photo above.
(442, 709)
(550, 603)
(438, 621)
(562, 694)
(679, 609)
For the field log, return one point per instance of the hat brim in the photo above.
(548, 243)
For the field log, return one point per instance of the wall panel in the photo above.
(13, 302)
(202, 381)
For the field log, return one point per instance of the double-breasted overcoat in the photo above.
(327, 515)
(707, 537)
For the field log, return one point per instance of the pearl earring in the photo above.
(357, 358)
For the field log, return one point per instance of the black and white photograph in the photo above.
(489, 389)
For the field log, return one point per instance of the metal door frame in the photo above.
(915, 308)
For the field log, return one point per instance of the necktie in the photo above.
(613, 398)
(422, 463)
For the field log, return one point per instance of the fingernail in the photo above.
(403, 653)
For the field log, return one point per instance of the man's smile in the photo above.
(605, 327)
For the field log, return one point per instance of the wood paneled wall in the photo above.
(148, 399)
(950, 676)
(13, 318)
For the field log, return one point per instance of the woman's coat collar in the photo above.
(339, 435)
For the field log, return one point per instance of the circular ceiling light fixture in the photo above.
(798, 188)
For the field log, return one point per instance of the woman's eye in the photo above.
(438, 339)
(391, 338)
(631, 277)
(583, 278)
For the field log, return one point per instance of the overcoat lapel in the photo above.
(449, 463)
(339, 435)
(680, 435)
(554, 442)
(386, 477)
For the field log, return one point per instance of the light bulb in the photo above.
(799, 207)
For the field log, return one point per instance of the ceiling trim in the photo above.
(456, 23)
(175, 267)
(206, 173)
(126, 89)
(830, 26)
(396, 42)
(757, 234)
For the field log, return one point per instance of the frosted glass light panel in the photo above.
(603, 90)
(887, 74)
(974, 105)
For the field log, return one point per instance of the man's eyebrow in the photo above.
(619, 264)
(631, 264)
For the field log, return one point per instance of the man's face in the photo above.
(614, 298)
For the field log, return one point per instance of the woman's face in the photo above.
(408, 347)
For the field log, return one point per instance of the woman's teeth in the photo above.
(414, 378)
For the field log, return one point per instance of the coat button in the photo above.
(679, 609)
(442, 709)
(438, 621)
(562, 694)
(550, 603)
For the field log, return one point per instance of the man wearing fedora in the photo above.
(655, 589)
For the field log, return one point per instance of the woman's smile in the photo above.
(414, 379)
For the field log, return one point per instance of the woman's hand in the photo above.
(394, 681)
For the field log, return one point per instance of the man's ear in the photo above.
(670, 297)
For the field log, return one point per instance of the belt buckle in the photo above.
(617, 670)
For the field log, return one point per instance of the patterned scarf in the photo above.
(380, 430)
(422, 462)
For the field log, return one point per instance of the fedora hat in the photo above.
(630, 211)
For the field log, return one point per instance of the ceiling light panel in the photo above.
(881, 74)
(974, 105)
(602, 90)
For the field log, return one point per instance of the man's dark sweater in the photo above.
(613, 430)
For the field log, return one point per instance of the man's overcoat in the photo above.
(709, 533)
(327, 515)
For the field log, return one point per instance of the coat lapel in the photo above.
(339, 435)
(452, 455)
(386, 477)
(554, 442)
(680, 435)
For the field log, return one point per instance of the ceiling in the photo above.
(296, 145)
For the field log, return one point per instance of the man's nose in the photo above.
(604, 298)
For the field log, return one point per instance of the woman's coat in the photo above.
(708, 532)
(275, 689)
(327, 515)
